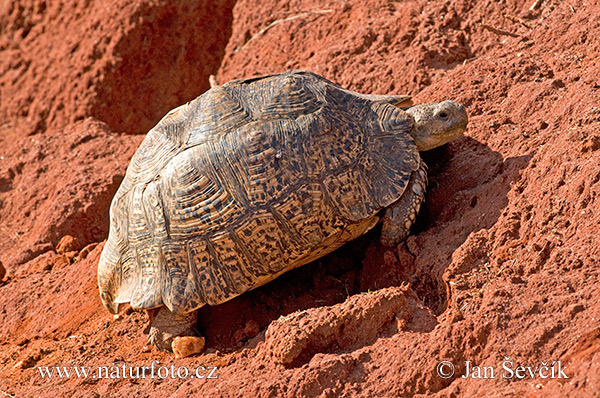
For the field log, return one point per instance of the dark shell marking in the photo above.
(249, 180)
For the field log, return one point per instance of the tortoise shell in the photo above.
(248, 181)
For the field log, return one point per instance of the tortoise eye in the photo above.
(443, 115)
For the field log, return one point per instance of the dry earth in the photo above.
(504, 259)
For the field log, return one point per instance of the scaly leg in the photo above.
(174, 332)
(400, 216)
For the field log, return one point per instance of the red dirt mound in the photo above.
(124, 63)
(501, 268)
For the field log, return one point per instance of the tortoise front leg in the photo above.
(174, 332)
(400, 216)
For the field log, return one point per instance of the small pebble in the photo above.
(67, 244)
(185, 346)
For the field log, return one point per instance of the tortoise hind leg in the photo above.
(400, 216)
(174, 332)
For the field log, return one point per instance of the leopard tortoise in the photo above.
(257, 177)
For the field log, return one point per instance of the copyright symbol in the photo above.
(445, 369)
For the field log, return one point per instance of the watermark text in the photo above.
(124, 371)
(508, 369)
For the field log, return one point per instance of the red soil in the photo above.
(504, 258)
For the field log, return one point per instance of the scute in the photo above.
(248, 181)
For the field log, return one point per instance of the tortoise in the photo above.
(257, 177)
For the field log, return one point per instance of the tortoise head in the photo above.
(437, 123)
